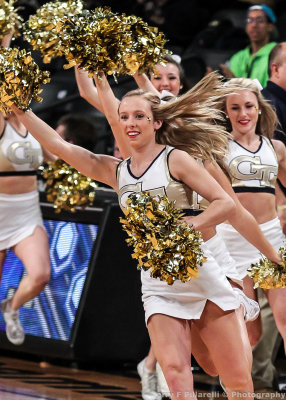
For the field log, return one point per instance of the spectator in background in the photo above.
(264, 353)
(252, 62)
(275, 92)
(78, 130)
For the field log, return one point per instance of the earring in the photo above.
(227, 117)
(259, 112)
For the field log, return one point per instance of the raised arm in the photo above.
(110, 108)
(87, 89)
(102, 168)
(5, 42)
(241, 219)
(144, 83)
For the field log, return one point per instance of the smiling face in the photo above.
(137, 121)
(242, 108)
(167, 77)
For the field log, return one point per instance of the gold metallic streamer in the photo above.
(40, 29)
(67, 188)
(266, 274)
(9, 18)
(100, 40)
(169, 248)
(20, 79)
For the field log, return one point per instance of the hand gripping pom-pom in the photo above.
(267, 274)
(169, 248)
(20, 79)
(67, 188)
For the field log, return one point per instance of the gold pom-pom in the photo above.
(266, 274)
(100, 40)
(20, 79)
(40, 29)
(169, 248)
(67, 188)
(9, 18)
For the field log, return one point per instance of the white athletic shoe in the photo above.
(163, 387)
(148, 382)
(14, 331)
(251, 307)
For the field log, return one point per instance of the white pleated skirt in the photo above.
(20, 214)
(244, 253)
(187, 300)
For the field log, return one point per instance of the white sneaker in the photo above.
(14, 330)
(251, 307)
(148, 382)
(163, 387)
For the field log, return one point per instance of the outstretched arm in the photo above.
(110, 108)
(241, 219)
(102, 168)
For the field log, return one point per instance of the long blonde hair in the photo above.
(267, 120)
(193, 122)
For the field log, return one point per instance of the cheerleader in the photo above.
(150, 372)
(255, 161)
(21, 224)
(207, 301)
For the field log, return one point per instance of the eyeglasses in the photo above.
(258, 20)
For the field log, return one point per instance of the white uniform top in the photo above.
(199, 203)
(253, 171)
(182, 300)
(20, 214)
(17, 152)
(157, 184)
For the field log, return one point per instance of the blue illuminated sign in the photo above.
(52, 313)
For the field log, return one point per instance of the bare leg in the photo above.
(171, 343)
(2, 259)
(265, 352)
(254, 328)
(277, 301)
(33, 251)
(202, 354)
(150, 361)
(221, 333)
(244, 336)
